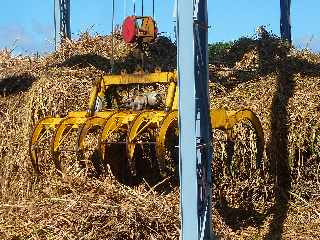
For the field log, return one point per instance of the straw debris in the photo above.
(281, 85)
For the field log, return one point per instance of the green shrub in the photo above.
(217, 50)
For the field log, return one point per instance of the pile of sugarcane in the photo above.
(279, 84)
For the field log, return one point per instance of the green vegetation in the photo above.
(218, 50)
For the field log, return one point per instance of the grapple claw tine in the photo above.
(140, 122)
(95, 121)
(88, 125)
(169, 121)
(145, 121)
(40, 128)
(225, 120)
(114, 153)
(63, 129)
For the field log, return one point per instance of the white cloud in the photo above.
(25, 41)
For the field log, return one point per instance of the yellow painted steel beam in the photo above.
(145, 78)
(172, 89)
(92, 99)
(77, 114)
(176, 100)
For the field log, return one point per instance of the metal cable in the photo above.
(124, 9)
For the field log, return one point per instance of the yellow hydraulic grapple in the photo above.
(123, 129)
(135, 133)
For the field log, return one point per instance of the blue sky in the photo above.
(27, 25)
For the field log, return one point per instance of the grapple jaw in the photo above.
(226, 120)
(132, 143)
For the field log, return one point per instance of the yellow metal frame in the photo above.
(137, 78)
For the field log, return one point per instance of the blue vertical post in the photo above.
(285, 22)
(187, 128)
(195, 149)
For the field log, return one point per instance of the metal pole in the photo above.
(203, 120)
(134, 7)
(112, 38)
(195, 148)
(153, 9)
(68, 27)
(285, 24)
(142, 8)
(55, 24)
(187, 110)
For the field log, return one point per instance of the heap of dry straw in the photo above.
(280, 85)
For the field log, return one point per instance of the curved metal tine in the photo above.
(138, 126)
(250, 116)
(166, 123)
(225, 120)
(132, 135)
(95, 121)
(90, 123)
(68, 123)
(118, 118)
(41, 128)
(114, 123)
